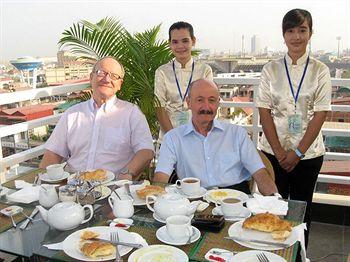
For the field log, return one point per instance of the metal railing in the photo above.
(255, 128)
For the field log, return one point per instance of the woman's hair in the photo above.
(296, 17)
(181, 25)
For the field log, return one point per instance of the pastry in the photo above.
(98, 174)
(87, 234)
(149, 190)
(267, 223)
(280, 235)
(97, 249)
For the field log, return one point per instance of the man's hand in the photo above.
(124, 176)
(290, 161)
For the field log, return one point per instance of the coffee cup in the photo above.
(55, 171)
(123, 207)
(179, 227)
(189, 185)
(231, 206)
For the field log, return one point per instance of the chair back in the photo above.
(252, 185)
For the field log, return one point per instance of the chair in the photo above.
(252, 185)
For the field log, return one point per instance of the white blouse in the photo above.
(315, 95)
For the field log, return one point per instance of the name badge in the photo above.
(182, 118)
(294, 124)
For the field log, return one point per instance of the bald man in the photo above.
(104, 132)
(218, 153)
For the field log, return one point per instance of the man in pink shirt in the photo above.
(103, 132)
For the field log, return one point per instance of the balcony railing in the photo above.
(255, 128)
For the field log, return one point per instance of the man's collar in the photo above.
(187, 65)
(105, 106)
(300, 61)
(188, 128)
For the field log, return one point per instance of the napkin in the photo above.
(272, 204)
(55, 246)
(26, 195)
(299, 230)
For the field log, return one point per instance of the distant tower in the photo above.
(338, 39)
(28, 67)
(255, 45)
(242, 46)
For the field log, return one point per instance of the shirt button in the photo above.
(208, 158)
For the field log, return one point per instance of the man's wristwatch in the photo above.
(126, 171)
(299, 154)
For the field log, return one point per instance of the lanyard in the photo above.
(177, 82)
(295, 96)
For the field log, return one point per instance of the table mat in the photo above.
(5, 222)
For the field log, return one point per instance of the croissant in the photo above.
(97, 249)
(267, 223)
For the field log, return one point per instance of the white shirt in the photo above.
(315, 95)
(166, 88)
(107, 137)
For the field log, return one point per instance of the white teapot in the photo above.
(171, 204)
(65, 215)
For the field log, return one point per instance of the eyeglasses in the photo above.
(102, 73)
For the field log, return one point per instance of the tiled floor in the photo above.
(326, 239)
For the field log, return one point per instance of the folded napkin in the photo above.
(55, 246)
(272, 204)
(27, 194)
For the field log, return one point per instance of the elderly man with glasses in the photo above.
(103, 132)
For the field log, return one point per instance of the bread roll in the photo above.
(97, 249)
(149, 190)
(87, 234)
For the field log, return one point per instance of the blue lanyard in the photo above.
(177, 82)
(295, 96)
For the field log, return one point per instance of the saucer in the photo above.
(173, 189)
(156, 217)
(123, 223)
(44, 177)
(163, 236)
(242, 215)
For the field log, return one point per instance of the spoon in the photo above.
(13, 222)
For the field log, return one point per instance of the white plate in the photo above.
(243, 215)
(71, 245)
(211, 196)
(222, 253)
(110, 176)
(251, 256)
(159, 253)
(11, 210)
(163, 236)
(126, 221)
(156, 217)
(174, 189)
(44, 177)
(137, 201)
(105, 191)
(236, 230)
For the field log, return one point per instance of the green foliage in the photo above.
(140, 53)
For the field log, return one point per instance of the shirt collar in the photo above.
(105, 106)
(189, 128)
(300, 61)
(188, 65)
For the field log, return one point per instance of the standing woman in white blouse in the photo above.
(173, 79)
(293, 99)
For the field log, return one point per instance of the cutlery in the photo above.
(29, 219)
(114, 239)
(127, 189)
(13, 222)
(262, 257)
(259, 241)
(120, 243)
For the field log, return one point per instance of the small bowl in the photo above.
(123, 223)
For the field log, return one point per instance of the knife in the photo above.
(259, 241)
(30, 218)
(120, 243)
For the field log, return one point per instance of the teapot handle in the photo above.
(91, 213)
(110, 201)
(152, 197)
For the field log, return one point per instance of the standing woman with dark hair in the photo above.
(173, 79)
(293, 99)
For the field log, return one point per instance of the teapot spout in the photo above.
(43, 212)
(193, 207)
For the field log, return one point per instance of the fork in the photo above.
(115, 238)
(262, 257)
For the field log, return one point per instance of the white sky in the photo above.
(33, 27)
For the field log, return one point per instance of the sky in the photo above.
(33, 27)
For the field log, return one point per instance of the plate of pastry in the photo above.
(265, 227)
(139, 192)
(83, 244)
(159, 253)
(96, 175)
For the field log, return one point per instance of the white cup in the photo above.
(189, 185)
(179, 227)
(231, 206)
(123, 207)
(55, 171)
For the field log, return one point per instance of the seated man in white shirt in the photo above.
(103, 132)
(218, 153)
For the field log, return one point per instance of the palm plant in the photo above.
(140, 53)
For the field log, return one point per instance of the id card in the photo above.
(294, 124)
(182, 118)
